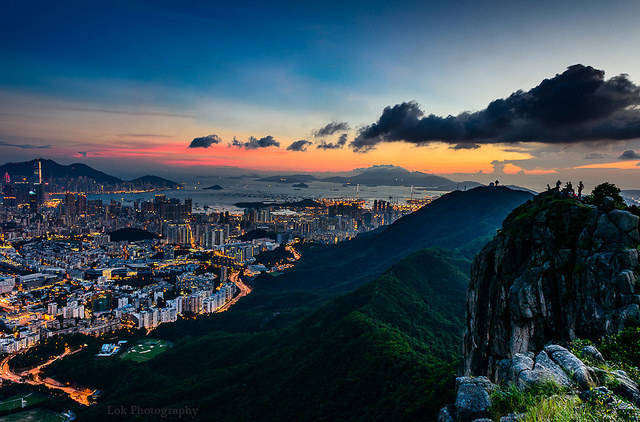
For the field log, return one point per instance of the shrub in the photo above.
(607, 189)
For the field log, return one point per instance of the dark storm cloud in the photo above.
(256, 143)
(205, 141)
(629, 155)
(575, 106)
(465, 146)
(331, 128)
(24, 146)
(340, 143)
(300, 145)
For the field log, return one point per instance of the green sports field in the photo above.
(33, 415)
(145, 350)
(14, 402)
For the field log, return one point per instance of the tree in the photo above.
(607, 189)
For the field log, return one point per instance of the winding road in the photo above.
(33, 377)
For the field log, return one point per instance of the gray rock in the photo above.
(513, 417)
(509, 371)
(626, 282)
(572, 366)
(624, 220)
(626, 388)
(602, 394)
(569, 271)
(608, 203)
(547, 370)
(606, 231)
(447, 414)
(473, 398)
(593, 353)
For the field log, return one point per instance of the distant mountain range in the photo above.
(52, 171)
(380, 176)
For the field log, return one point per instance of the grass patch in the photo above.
(145, 350)
(14, 402)
(561, 408)
(511, 399)
(34, 415)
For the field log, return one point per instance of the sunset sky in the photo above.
(128, 86)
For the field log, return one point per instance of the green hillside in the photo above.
(354, 332)
(385, 351)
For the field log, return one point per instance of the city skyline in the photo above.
(128, 89)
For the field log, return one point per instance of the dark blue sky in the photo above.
(281, 68)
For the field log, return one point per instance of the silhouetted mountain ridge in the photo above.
(52, 170)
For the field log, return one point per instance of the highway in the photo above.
(234, 277)
(294, 252)
(33, 377)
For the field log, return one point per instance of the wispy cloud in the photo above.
(127, 112)
(24, 146)
(340, 143)
(331, 128)
(143, 135)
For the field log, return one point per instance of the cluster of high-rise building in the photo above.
(62, 273)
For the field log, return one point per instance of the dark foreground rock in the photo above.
(558, 270)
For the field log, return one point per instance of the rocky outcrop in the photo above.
(473, 399)
(552, 365)
(558, 270)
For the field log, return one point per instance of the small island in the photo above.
(300, 185)
(214, 187)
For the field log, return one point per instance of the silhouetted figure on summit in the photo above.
(568, 190)
(580, 189)
(558, 184)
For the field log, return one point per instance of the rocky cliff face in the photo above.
(558, 269)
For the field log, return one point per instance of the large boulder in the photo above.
(626, 388)
(570, 364)
(473, 398)
(592, 353)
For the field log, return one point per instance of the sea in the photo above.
(248, 189)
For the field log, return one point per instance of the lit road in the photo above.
(294, 252)
(32, 377)
(244, 290)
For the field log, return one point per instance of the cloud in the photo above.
(129, 112)
(595, 156)
(340, 143)
(300, 145)
(331, 128)
(205, 141)
(82, 153)
(629, 155)
(143, 135)
(255, 143)
(464, 146)
(24, 146)
(577, 105)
